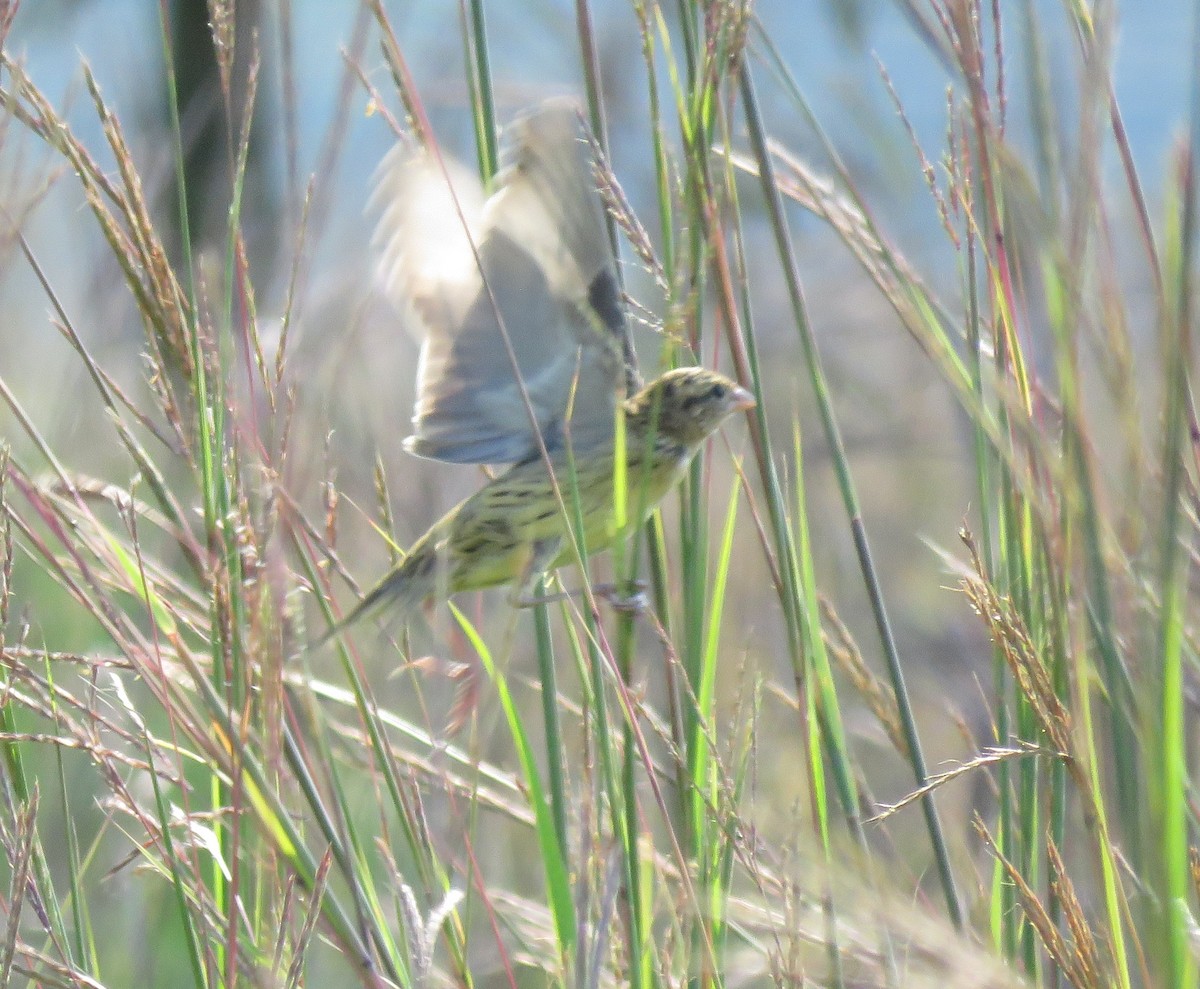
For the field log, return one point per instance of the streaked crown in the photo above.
(687, 404)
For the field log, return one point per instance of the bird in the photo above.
(531, 266)
(513, 530)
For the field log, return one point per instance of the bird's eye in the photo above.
(716, 391)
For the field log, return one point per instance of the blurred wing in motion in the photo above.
(545, 272)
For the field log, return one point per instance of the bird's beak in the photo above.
(741, 399)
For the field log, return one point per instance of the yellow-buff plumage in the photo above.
(513, 529)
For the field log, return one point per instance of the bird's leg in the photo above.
(542, 553)
(527, 599)
(634, 603)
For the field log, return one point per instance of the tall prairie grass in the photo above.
(729, 787)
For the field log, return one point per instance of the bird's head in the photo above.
(688, 404)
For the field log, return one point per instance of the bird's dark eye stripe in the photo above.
(716, 391)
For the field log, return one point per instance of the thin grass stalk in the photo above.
(19, 854)
(824, 722)
(25, 799)
(1115, 905)
(640, 904)
(598, 121)
(555, 865)
(988, 468)
(688, 13)
(555, 743)
(697, 206)
(650, 28)
(693, 521)
(297, 202)
(693, 531)
(1115, 676)
(1017, 558)
(1063, 295)
(1041, 106)
(849, 498)
(704, 769)
(640, 913)
(1015, 518)
(243, 675)
(641, 916)
(1175, 926)
(1030, 828)
(201, 972)
(1059, 633)
(483, 103)
(209, 438)
(731, 839)
(621, 795)
(624, 570)
(784, 566)
(655, 535)
(80, 935)
(15, 775)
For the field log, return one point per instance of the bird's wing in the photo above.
(545, 272)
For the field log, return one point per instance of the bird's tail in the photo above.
(401, 590)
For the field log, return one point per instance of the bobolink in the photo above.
(532, 263)
(512, 530)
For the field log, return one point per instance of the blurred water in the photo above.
(832, 60)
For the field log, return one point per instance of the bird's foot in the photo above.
(630, 604)
(529, 600)
(633, 604)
